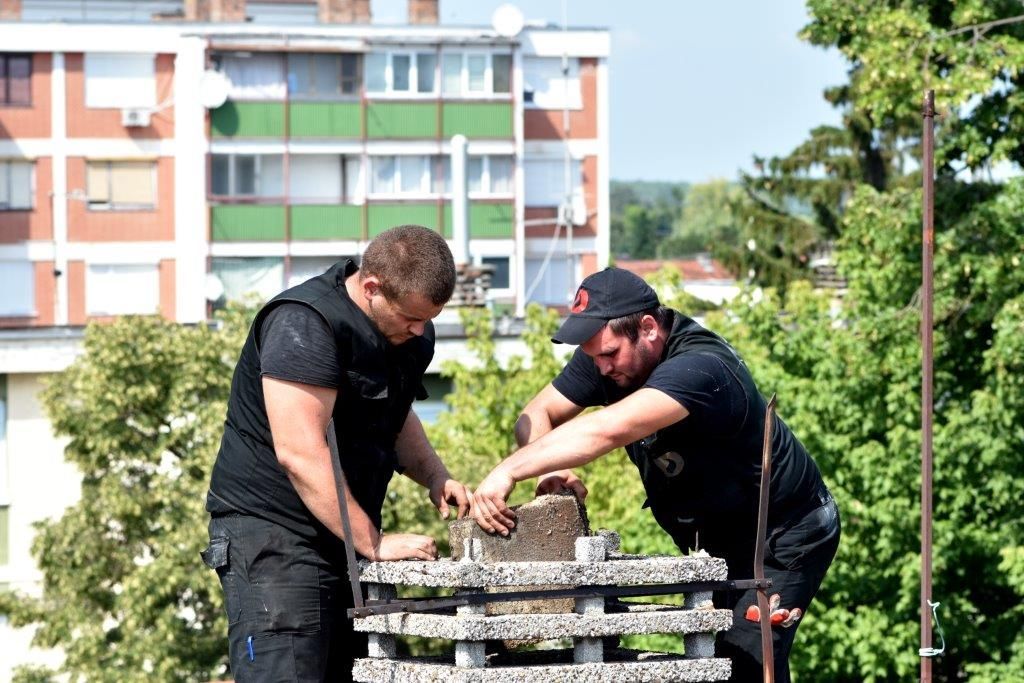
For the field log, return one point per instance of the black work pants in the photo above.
(797, 555)
(285, 604)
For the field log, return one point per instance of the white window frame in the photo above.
(426, 178)
(26, 306)
(464, 91)
(109, 87)
(108, 206)
(7, 164)
(487, 190)
(97, 308)
(412, 93)
(233, 177)
(500, 291)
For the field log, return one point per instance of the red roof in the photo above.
(692, 269)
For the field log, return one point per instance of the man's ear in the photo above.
(649, 327)
(370, 286)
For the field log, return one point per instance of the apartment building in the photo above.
(164, 156)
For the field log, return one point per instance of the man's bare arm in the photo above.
(423, 466)
(299, 415)
(548, 410)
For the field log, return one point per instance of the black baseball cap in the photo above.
(603, 296)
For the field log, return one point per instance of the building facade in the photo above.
(163, 157)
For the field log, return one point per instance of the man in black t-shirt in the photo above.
(347, 348)
(685, 407)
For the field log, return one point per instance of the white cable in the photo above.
(931, 651)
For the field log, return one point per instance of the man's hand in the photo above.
(489, 508)
(448, 491)
(556, 482)
(404, 547)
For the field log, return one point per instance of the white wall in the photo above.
(42, 485)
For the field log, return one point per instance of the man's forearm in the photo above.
(530, 426)
(417, 456)
(312, 475)
(572, 444)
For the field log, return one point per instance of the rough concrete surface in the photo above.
(628, 669)
(546, 529)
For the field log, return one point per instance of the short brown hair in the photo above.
(411, 258)
(629, 325)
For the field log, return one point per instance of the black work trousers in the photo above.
(285, 603)
(797, 555)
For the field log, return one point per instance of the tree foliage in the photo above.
(125, 595)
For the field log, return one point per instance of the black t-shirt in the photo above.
(297, 346)
(702, 474)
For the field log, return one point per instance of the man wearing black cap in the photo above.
(685, 407)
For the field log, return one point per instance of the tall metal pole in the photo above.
(460, 201)
(927, 251)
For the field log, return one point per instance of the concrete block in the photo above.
(470, 654)
(591, 549)
(612, 540)
(381, 645)
(546, 530)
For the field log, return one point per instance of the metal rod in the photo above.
(341, 485)
(376, 607)
(763, 604)
(927, 290)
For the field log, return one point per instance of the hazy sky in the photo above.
(697, 86)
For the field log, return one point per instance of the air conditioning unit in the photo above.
(135, 118)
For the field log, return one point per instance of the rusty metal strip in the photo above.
(376, 607)
(767, 651)
(341, 486)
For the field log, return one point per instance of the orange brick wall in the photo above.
(76, 292)
(36, 224)
(546, 124)
(84, 122)
(117, 226)
(590, 196)
(167, 289)
(33, 121)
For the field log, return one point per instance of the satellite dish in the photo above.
(213, 287)
(507, 20)
(213, 89)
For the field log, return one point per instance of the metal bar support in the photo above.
(346, 525)
(767, 649)
(927, 296)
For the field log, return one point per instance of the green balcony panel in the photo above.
(477, 119)
(401, 120)
(325, 120)
(247, 223)
(248, 120)
(327, 222)
(384, 216)
(485, 220)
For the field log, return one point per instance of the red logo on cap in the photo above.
(582, 299)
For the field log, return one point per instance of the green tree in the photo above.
(707, 221)
(125, 595)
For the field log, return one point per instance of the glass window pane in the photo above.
(271, 175)
(219, 178)
(299, 82)
(477, 66)
(501, 174)
(248, 276)
(376, 64)
(383, 179)
(452, 67)
(97, 182)
(21, 185)
(327, 72)
(245, 175)
(352, 169)
(500, 277)
(426, 65)
(131, 183)
(441, 167)
(501, 73)
(5, 185)
(475, 174)
(400, 66)
(19, 70)
(349, 74)
(411, 170)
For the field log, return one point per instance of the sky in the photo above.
(697, 87)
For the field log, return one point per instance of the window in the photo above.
(305, 267)
(407, 174)
(475, 74)
(323, 76)
(323, 178)
(16, 191)
(118, 289)
(546, 87)
(254, 75)
(17, 288)
(247, 175)
(401, 72)
(261, 277)
(501, 277)
(121, 185)
(545, 182)
(15, 79)
(548, 284)
(5, 486)
(118, 81)
(490, 174)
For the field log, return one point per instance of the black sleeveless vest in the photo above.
(376, 387)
